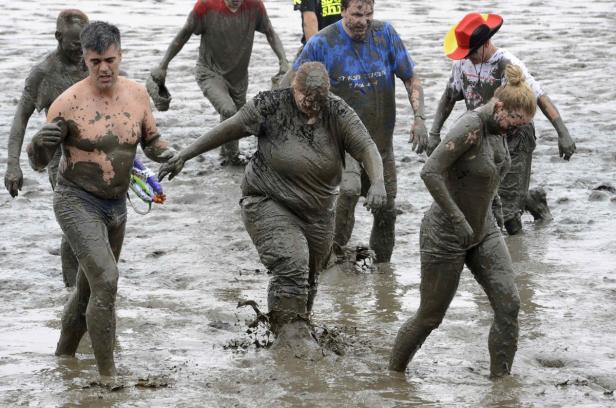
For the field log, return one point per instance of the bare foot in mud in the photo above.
(296, 338)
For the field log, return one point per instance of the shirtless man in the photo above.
(47, 80)
(227, 29)
(99, 122)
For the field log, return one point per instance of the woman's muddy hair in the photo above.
(515, 92)
(99, 36)
(312, 76)
(344, 4)
(70, 16)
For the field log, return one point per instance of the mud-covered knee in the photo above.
(105, 288)
(430, 322)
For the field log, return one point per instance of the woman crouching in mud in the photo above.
(291, 183)
(463, 175)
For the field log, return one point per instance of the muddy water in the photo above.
(185, 266)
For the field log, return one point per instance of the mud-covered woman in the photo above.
(463, 176)
(291, 183)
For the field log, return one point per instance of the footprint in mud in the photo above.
(157, 253)
(551, 362)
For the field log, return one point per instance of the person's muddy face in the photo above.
(69, 42)
(233, 5)
(309, 102)
(103, 68)
(477, 56)
(510, 118)
(357, 18)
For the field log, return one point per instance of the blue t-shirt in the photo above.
(362, 73)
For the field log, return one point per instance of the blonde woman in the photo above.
(463, 174)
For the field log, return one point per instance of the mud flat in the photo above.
(185, 266)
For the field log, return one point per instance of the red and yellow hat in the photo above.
(470, 33)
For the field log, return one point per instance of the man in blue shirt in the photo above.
(363, 57)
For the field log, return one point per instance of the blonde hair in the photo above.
(515, 92)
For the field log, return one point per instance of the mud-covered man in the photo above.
(227, 29)
(47, 80)
(363, 57)
(290, 186)
(98, 122)
(478, 70)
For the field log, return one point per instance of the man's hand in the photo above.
(50, 135)
(159, 75)
(433, 140)
(167, 155)
(276, 79)
(463, 231)
(566, 146)
(283, 67)
(376, 197)
(172, 168)
(13, 179)
(419, 136)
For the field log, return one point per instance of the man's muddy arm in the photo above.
(566, 145)
(443, 110)
(276, 44)
(419, 135)
(160, 72)
(13, 178)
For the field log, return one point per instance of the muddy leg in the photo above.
(70, 264)
(491, 264)
(84, 220)
(283, 249)
(68, 259)
(439, 282)
(514, 186)
(74, 317)
(350, 190)
(217, 91)
(320, 239)
(102, 273)
(383, 234)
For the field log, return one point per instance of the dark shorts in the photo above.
(88, 221)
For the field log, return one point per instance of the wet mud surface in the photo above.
(185, 266)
